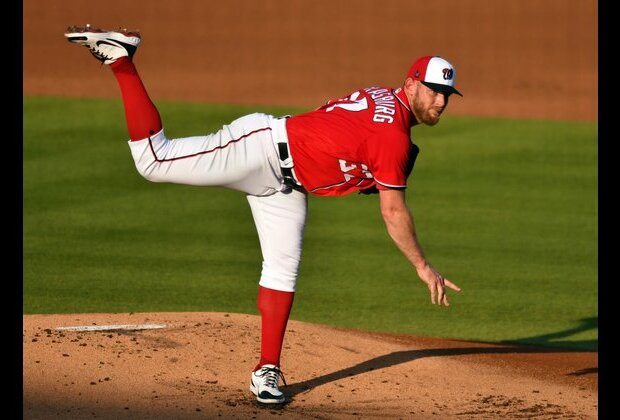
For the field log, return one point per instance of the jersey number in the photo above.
(346, 168)
(350, 104)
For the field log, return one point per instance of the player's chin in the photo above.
(431, 118)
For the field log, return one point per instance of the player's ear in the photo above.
(410, 85)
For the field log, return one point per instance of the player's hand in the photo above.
(437, 285)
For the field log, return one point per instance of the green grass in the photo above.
(507, 209)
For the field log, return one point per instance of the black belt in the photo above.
(287, 173)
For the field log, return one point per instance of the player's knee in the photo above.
(147, 172)
(147, 154)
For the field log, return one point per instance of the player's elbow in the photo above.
(395, 216)
(392, 209)
(394, 212)
(389, 212)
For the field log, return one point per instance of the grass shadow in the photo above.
(555, 339)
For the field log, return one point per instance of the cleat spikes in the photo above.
(106, 46)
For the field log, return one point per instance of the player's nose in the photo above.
(441, 100)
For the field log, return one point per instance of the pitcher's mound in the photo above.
(197, 365)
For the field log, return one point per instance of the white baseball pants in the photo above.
(240, 156)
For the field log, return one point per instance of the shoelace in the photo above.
(99, 55)
(271, 375)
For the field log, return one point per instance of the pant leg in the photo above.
(239, 156)
(280, 220)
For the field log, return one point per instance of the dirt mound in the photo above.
(198, 365)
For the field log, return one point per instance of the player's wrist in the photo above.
(421, 265)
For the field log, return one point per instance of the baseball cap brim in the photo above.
(441, 88)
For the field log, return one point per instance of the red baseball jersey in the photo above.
(360, 142)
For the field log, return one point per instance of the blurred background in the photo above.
(525, 58)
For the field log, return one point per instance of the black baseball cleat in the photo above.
(105, 46)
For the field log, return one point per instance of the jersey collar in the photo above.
(402, 98)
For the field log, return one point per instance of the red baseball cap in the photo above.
(434, 72)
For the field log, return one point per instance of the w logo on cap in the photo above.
(448, 74)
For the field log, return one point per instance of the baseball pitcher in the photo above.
(359, 143)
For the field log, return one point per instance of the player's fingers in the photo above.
(452, 285)
(441, 294)
(445, 299)
(433, 289)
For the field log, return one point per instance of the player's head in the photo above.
(429, 84)
(435, 73)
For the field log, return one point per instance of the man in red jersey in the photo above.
(360, 143)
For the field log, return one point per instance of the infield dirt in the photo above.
(199, 366)
(527, 59)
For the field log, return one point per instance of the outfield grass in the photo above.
(507, 209)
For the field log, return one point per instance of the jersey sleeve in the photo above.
(390, 159)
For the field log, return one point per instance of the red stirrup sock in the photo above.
(142, 117)
(275, 307)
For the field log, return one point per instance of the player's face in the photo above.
(426, 104)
